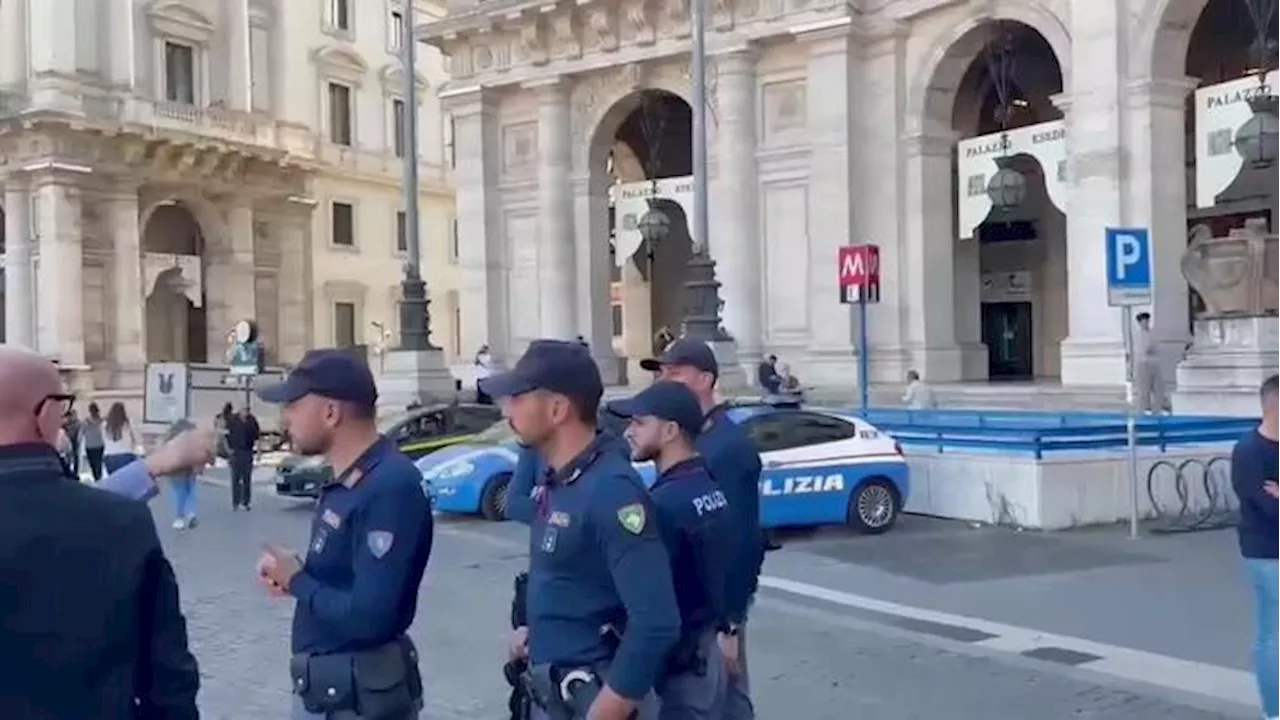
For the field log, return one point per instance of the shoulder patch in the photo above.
(632, 518)
(380, 542)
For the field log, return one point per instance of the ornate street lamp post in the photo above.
(1256, 140)
(415, 318)
(702, 296)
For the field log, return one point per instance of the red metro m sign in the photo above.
(859, 274)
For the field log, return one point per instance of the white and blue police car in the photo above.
(820, 467)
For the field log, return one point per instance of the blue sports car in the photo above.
(820, 467)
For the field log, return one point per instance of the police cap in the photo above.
(331, 373)
(665, 400)
(687, 352)
(564, 368)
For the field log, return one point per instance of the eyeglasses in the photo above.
(65, 401)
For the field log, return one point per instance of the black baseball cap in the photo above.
(685, 351)
(564, 368)
(331, 373)
(665, 400)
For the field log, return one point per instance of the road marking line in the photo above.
(1212, 681)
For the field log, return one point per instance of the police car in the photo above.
(820, 467)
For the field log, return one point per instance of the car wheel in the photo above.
(493, 501)
(873, 507)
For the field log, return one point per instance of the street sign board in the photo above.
(859, 273)
(1128, 266)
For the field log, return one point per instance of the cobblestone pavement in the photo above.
(810, 660)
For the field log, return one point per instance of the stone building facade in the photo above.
(172, 167)
(834, 123)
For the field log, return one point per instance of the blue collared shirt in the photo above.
(370, 541)
(698, 529)
(597, 559)
(131, 481)
(734, 463)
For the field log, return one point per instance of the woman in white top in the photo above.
(121, 444)
(484, 369)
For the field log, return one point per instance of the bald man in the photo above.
(92, 623)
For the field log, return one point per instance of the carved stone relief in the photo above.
(531, 43)
(600, 29)
(638, 22)
(566, 36)
(784, 108)
(675, 17)
(519, 147)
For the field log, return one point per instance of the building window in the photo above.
(396, 30)
(343, 221)
(179, 73)
(457, 328)
(616, 317)
(454, 247)
(402, 232)
(340, 15)
(344, 324)
(397, 127)
(449, 152)
(339, 114)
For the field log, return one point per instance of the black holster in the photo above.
(383, 683)
(563, 693)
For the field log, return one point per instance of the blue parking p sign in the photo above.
(1128, 266)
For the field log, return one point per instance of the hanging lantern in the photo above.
(654, 225)
(1008, 187)
(1256, 140)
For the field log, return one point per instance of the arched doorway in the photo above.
(176, 324)
(994, 91)
(1230, 54)
(645, 158)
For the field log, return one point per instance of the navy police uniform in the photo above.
(601, 608)
(735, 466)
(358, 589)
(697, 527)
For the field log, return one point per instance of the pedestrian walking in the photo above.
(93, 439)
(919, 396)
(357, 589)
(484, 369)
(242, 439)
(735, 466)
(72, 427)
(1254, 474)
(183, 483)
(694, 520)
(121, 443)
(79, 641)
(602, 608)
(1148, 377)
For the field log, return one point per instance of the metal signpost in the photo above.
(860, 285)
(1129, 284)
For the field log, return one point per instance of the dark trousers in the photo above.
(241, 478)
(93, 455)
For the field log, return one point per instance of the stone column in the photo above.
(294, 327)
(1093, 352)
(130, 351)
(13, 38)
(555, 226)
(121, 18)
(928, 269)
(831, 82)
(1156, 134)
(60, 275)
(19, 310)
(51, 57)
(482, 290)
(735, 235)
(229, 277)
(239, 66)
(591, 238)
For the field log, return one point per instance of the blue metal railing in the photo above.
(1037, 433)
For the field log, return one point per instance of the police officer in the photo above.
(371, 536)
(694, 519)
(735, 465)
(602, 610)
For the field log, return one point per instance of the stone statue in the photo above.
(1235, 276)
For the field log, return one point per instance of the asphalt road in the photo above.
(845, 627)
